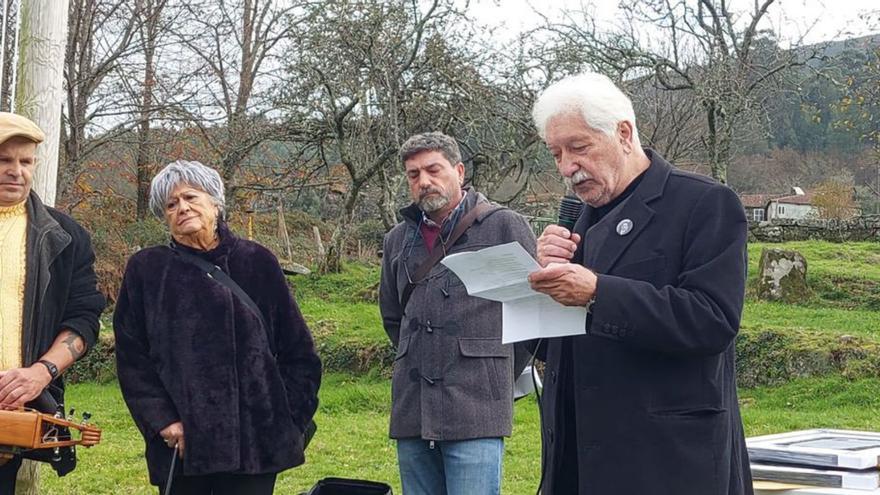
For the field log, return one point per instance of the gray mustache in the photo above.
(429, 190)
(577, 177)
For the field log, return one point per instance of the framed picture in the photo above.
(858, 480)
(814, 490)
(846, 449)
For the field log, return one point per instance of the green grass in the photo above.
(840, 275)
(352, 438)
(845, 279)
(858, 260)
(348, 286)
(342, 312)
(831, 402)
(353, 416)
(769, 315)
(352, 441)
(116, 464)
(358, 322)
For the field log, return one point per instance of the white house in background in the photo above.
(756, 205)
(799, 204)
(762, 207)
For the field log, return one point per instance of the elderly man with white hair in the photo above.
(644, 402)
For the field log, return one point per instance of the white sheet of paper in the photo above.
(500, 273)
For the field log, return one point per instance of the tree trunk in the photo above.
(386, 201)
(7, 60)
(722, 156)
(39, 93)
(144, 162)
(332, 261)
(717, 143)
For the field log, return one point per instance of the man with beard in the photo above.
(452, 384)
(644, 402)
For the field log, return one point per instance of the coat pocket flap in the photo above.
(483, 348)
(402, 347)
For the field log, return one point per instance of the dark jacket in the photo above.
(654, 377)
(60, 284)
(452, 377)
(189, 350)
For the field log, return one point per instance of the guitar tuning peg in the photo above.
(87, 416)
(72, 411)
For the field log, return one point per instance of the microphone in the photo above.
(570, 209)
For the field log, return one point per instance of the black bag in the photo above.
(344, 486)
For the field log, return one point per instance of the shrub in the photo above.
(98, 365)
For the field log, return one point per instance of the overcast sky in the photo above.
(816, 20)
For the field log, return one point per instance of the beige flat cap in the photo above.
(12, 125)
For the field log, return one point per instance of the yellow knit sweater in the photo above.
(13, 237)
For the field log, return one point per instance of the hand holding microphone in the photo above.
(567, 283)
(557, 243)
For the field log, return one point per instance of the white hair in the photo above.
(194, 174)
(599, 101)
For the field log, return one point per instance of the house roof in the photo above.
(761, 200)
(756, 200)
(800, 199)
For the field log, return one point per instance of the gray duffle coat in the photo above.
(452, 378)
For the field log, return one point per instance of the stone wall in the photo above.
(781, 230)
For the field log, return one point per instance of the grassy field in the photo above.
(769, 315)
(845, 279)
(353, 415)
(352, 438)
(841, 275)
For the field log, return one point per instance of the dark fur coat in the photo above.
(189, 350)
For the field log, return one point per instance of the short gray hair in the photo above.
(599, 101)
(431, 141)
(194, 174)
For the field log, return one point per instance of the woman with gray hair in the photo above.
(214, 359)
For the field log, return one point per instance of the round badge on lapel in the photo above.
(624, 227)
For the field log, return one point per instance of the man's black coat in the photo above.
(653, 379)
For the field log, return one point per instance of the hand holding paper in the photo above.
(567, 283)
(500, 273)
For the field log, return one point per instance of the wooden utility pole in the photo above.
(39, 93)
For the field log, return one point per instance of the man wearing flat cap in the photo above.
(49, 302)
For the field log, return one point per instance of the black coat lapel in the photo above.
(580, 227)
(605, 243)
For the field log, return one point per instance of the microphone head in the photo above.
(570, 209)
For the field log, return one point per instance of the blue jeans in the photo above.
(464, 467)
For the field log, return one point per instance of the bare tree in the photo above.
(834, 198)
(8, 36)
(668, 120)
(363, 78)
(100, 36)
(859, 108)
(150, 26)
(726, 59)
(234, 46)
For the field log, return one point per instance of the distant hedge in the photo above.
(98, 366)
(772, 357)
